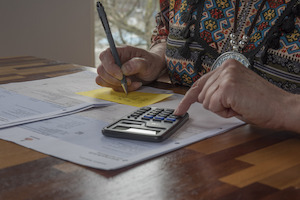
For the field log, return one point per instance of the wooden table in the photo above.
(245, 163)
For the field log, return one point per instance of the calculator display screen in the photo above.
(136, 130)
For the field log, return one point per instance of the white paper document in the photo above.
(21, 104)
(19, 109)
(78, 137)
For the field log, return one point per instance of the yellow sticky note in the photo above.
(138, 99)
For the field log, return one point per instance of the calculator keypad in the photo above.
(156, 114)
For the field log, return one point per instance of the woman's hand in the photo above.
(233, 90)
(139, 66)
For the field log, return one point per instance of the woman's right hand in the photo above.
(139, 66)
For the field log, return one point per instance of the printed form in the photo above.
(78, 137)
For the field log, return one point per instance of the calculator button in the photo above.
(169, 110)
(148, 116)
(156, 111)
(145, 108)
(152, 113)
(170, 119)
(162, 115)
(134, 115)
(165, 113)
(174, 116)
(158, 118)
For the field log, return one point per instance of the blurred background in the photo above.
(70, 30)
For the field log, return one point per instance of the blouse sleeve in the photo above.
(161, 31)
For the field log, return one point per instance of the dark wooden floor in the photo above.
(245, 163)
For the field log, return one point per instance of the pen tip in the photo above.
(124, 86)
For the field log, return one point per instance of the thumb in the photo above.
(134, 66)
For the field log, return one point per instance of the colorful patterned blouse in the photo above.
(197, 32)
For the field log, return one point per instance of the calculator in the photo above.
(147, 124)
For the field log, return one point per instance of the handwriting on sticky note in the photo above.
(138, 99)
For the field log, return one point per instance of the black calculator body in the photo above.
(146, 124)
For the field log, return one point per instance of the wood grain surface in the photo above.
(245, 163)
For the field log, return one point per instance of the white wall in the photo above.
(55, 29)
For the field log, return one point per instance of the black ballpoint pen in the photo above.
(103, 18)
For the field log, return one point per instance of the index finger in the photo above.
(192, 94)
(189, 98)
(109, 64)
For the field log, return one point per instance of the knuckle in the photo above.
(229, 77)
(200, 98)
(104, 54)
(126, 46)
(100, 81)
(228, 85)
(100, 69)
(124, 49)
(205, 104)
(213, 105)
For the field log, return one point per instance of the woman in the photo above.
(257, 81)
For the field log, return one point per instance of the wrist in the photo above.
(159, 60)
(159, 49)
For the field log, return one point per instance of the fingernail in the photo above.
(125, 69)
(175, 112)
(139, 84)
(119, 75)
